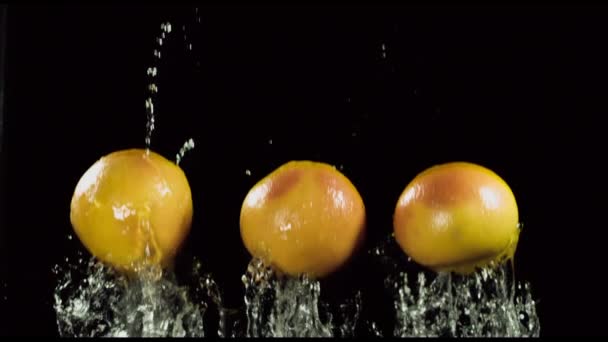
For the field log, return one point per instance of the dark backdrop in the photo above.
(520, 90)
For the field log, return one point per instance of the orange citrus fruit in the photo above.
(303, 218)
(457, 217)
(132, 207)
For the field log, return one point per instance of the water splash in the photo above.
(484, 304)
(487, 303)
(279, 306)
(187, 147)
(152, 73)
(92, 300)
(208, 289)
(373, 329)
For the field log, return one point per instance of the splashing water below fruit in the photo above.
(486, 303)
(290, 307)
(93, 300)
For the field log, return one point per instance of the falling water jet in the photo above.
(152, 73)
(94, 299)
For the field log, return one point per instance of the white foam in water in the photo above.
(92, 300)
(289, 307)
(484, 304)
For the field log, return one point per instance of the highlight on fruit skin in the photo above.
(457, 217)
(132, 208)
(303, 218)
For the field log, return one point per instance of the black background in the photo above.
(521, 90)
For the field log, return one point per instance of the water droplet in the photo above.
(188, 146)
(70, 237)
(270, 142)
(189, 46)
(165, 27)
(248, 173)
(152, 71)
(150, 105)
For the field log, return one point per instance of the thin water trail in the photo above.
(187, 147)
(93, 300)
(152, 73)
(278, 306)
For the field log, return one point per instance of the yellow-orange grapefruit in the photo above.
(131, 208)
(303, 218)
(456, 217)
